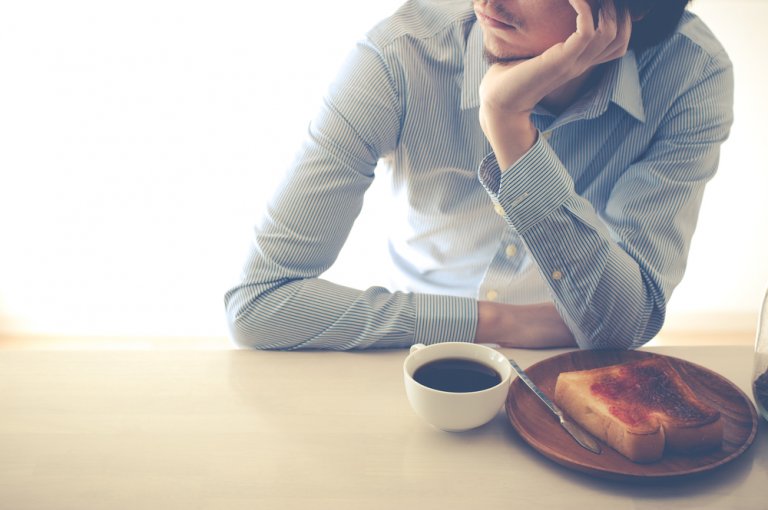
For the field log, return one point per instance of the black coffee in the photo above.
(457, 375)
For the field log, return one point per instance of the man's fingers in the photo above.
(619, 32)
(590, 44)
(585, 21)
(580, 41)
(607, 26)
(606, 42)
(607, 12)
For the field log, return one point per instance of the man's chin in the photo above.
(493, 58)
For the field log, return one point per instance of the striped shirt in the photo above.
(597, 217)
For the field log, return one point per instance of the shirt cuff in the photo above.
(533, 187)
(444, 319)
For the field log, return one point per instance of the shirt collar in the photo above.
(620, 83)
(621, 86)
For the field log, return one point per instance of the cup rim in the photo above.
(505, 379)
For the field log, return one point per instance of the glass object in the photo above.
(760, 379)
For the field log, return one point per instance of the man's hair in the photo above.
(658, 19)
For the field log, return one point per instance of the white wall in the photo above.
(138, 141)
(728, 266)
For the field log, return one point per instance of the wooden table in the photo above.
(221, 430)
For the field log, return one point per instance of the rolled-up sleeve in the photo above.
(611, 272)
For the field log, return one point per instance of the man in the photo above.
(547, 160)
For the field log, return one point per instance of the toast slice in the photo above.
(640, 409)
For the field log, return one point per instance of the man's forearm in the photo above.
(524, 326)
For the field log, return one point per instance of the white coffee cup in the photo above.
(454, 411)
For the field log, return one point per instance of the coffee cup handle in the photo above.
(416, 347)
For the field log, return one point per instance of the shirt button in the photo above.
(546, 134)
(491, 295)
(557, 275)
(499, 209)
(511, 251)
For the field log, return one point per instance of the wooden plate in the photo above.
(540, 429)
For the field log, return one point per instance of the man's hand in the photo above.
(510, 91)
(537, 326)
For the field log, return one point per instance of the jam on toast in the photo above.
(640, 409)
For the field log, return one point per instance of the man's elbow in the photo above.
(245, 331)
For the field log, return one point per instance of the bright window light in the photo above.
(139, 141)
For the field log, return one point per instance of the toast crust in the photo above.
(640, 408)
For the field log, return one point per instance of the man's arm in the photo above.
(611, 273)
(280, 302)
(510, 91)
